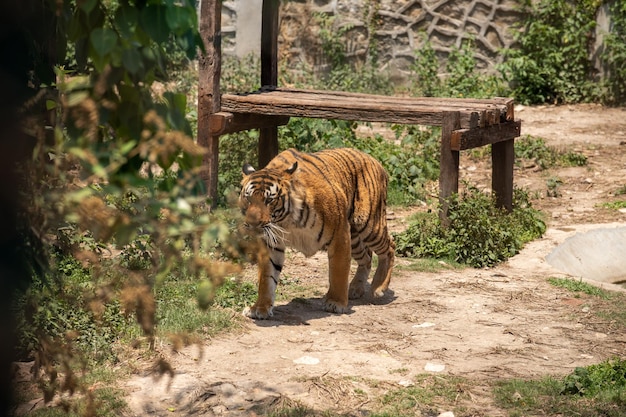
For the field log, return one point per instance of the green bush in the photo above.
(535, 149)
(615, 54)
(462, 77)
(66, 309)
(607, 379)
(479, 233)
(551, 63)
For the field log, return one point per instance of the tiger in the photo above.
(333, 200)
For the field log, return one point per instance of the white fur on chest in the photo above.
(303, 240)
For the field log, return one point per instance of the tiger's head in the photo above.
(264, 200)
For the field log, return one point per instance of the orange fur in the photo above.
(332, 200)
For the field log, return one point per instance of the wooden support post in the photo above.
(448, 164)
(209, 68)
(502, 160)
(268, 137)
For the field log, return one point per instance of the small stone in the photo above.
(423, 325)
(434, 367)
(306, 360)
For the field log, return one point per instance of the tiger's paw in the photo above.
(378, 292)
(356, 292)
(335, 307)
(258, 312)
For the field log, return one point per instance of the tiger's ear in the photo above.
(292, 169)
(247, 169)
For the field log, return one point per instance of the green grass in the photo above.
(578, 286)
(594, 391)
(428, 265)
(608, 305)
(614, 205)
(428, 394)
(178, 310)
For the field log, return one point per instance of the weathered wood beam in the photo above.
(209, 69)
(502, 160)
(448, 165)
(356, 109)
(473, 138)
(223, 123)
(268, 136)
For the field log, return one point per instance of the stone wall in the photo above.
(397, 28)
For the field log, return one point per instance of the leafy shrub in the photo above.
(615, 54)
(479, 233)
(67, 310)
(551, 62)
(461, 78)
(606, 379)
(535, 148)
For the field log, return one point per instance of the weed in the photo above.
(235, 294)
(479, 234)
(427, 395)
(553, 184)
(178, 310)
(615, 205)
(428, 265)
(593, 391)
(612, 308)
(577, 286)
(535, 149)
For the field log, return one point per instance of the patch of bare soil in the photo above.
(481, 324)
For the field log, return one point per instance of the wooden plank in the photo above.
(500, 102)
(357, 110)
(223, 123)
(448, 165)
(268, 136)
(373, 100)
(502, 160)
(473, 138)
(209, 68)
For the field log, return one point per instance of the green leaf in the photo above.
(103, 40)
(154, 23)
(51, 104)
(131, 58)
(179, 19)
(126, 19)
(87, 5)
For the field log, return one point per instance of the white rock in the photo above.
(306, 360)
(434, 367)
(422, 325)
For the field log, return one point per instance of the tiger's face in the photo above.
(264, 201)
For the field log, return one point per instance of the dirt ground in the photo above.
(480, 324)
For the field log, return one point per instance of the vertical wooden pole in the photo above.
(502, 160)
(448, 165)
(209, 70)
(268, 137)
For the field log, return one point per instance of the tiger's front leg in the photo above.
(269, 270)
(339, 257)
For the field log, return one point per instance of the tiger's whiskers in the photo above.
(274, 234)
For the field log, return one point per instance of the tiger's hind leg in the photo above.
(385, 249)
(363, 257)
